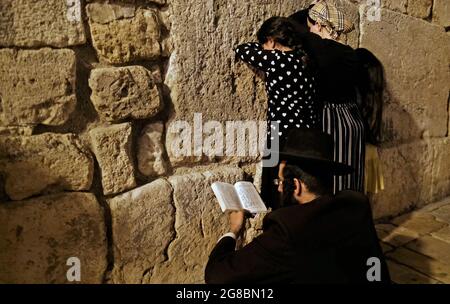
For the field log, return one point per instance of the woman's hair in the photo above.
(317, 183)
(283, 31)
(302, 16)
(371, 86)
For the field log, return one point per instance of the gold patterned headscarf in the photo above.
(327, 15)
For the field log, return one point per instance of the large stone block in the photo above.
(395, 5)
(128, 92)
(203, 75)
(36, 87)
(440, 184)
(39, 235)
(419, 171)
(35, 23)
(199, 223)
(424, 264)
(442, 213)
(422, 223)
(395, 236)
(443, 234)
(143, 226)
(121, 33)
(419, 8)
(441, 12)
(213, 141)
(151, 151)
(44, 163)
(401, 274)
(417, 74)
(406, 170)
(112, 148)
(434, 248)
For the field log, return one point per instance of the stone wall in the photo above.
(88, 90)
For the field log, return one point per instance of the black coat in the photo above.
(328, 240)
(338, 66)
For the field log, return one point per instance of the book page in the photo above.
(250, 199)
(227, 196)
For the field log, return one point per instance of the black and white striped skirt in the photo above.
(344, 123)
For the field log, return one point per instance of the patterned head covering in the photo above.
(327, 15)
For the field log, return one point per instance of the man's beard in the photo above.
(287, 199)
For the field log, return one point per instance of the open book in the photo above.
(241, 195)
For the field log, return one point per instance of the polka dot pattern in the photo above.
(290, 87)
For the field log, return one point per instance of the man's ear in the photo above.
(298, 187)
(319, 27)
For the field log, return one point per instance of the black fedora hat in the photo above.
(312, 149)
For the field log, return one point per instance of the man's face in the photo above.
(285, 198)
(280, 176)
(314, 28)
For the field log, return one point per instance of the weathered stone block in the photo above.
(441, 12)
(122, 33)
(112, 148)
(418, 97)
(436, 205)
(422, 223)
(35, 23)
(395, 5)
(128, 92)
(443, 234)
(419, 8)
(442, 213)
(419, 170)
(440, 185)
(395, 236)
(36, 86)
(434, 248)
(254, 227)
(203, 74)
(44, 163)
(199, 223)
(213, 141)
(401, 274)
(143, 226)
(151, 151)
(406, 170)
(424, 264)
(39, 235)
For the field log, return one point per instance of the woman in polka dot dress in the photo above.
(290, 86)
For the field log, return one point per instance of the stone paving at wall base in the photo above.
(417, 245)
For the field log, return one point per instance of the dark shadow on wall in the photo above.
(403, 167)
(3, 196)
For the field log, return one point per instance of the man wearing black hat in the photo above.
(315, 237)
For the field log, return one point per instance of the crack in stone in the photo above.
(202, 230)
(448, 116)
(147, 274)
(175, 236)
(109, 238)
